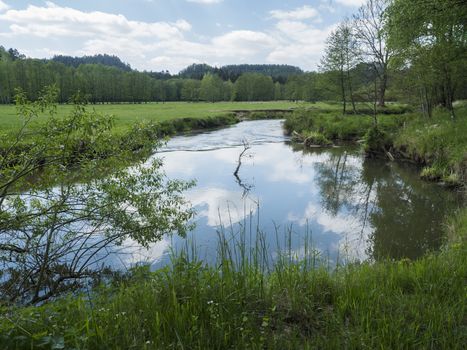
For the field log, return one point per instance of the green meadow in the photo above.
(128, 114)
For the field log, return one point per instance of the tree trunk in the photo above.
(448, 92)
(344, 102)
(426, 102)
(382, 88)
(352, 100)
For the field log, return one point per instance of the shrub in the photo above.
(315, 138)
(376, 141)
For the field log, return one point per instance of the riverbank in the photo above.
(126, 115)
(392, 304)
(134, 127)
(437, 144)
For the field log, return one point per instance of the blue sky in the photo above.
(171, 34)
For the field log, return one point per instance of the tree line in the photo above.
(109, 84)
(106, 83)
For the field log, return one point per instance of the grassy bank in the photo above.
(136, 126)
(438, 144)
(127, 115)
(297, 305)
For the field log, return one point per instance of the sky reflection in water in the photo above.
(352, 208)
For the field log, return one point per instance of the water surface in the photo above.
(351, 208)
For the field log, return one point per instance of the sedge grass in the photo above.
(246, 301)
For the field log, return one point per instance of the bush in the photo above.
(376, 141)
(299, 121)
(312, 138)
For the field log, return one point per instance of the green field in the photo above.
(128, 114)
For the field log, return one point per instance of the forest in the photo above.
(106, 79)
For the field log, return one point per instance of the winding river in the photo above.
(346, 207)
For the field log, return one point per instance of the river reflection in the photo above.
(352, 208)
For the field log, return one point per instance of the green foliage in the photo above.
(299, 121)
(190, 90)
(279, 72)
(52, 230)
(433, 46)
(105, 79)
(377, 141)
(439, 143)
(239, 304)
(211, 88)
(342, 54)
(253, 87)
(309, 87)
(312, 138)
(332, 125)
(106, 60)
(431, 173)
(457, 228)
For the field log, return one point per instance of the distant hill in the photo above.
(279, 72)
(106, 60)
(276, 71)
(197, 71)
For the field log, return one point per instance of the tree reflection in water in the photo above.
(402, 214)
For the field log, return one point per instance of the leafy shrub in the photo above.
(376, 141)
(315, 138)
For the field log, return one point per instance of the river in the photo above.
(344, 206)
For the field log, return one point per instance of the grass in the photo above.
(335, 126)
(438, 144)
(240, 304)
(127, 115)
(141, 124)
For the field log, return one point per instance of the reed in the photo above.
(251, 299)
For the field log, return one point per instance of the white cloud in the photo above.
(304, 12)
(351, 3)
(183, 25)
(206, 2)
(43, 30)
(3, 6)
(242, 42)
(54, 20)
(221, 206)
(354, 237)
(301, 44)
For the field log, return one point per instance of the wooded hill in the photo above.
(278, 72)
(105, 60)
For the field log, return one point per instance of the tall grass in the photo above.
(438, 144)
(248, 300)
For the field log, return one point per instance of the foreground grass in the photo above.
(439, 144)
(297, 305)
